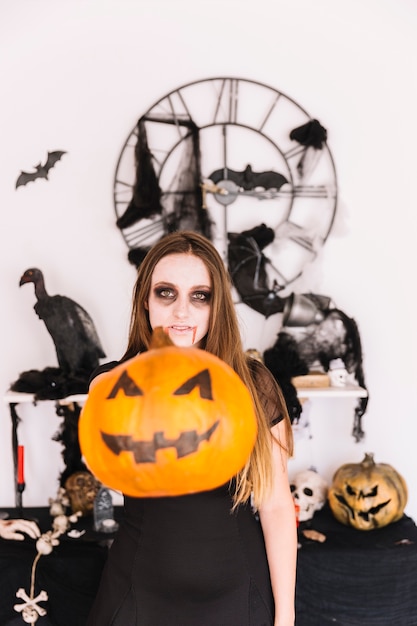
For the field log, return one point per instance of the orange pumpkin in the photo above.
(168, 422)
(367, 495)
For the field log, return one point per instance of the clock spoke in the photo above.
(294, 151)
(226, 192)
(225, 169)
(122, 192)
(140, 235)
(269, 111)
(314, 191)
(226, 109)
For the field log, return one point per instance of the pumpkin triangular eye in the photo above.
(125, 384)
(202, 380)
(372, 493)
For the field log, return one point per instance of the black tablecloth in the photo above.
(357, 578)
(354, 578)
(70, 574)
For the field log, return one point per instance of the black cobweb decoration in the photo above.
(146, 200)
(67, 435)
(181, 205)
(183, 200)
(248, 269)
(313, 137)
(335, 337)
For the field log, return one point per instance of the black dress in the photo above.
(188, 560)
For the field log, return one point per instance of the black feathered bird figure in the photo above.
(77, 344)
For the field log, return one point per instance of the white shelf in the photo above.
(348, 391)
(15, 397)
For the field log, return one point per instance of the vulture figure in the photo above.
(77, 344)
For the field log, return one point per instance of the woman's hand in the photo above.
(13, 529)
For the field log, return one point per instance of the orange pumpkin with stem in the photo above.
(168, 422)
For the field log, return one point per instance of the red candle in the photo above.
(297, 513)
(20, 465)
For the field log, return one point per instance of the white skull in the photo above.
(337, 373)
(309, 491)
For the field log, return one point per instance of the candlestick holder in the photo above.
(20, 487)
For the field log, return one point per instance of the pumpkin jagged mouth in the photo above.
(365, 515)
(145, 451)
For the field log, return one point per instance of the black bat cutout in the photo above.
(145, 451)
(248, 179)
(41, 170)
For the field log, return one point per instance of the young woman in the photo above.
(225, 557)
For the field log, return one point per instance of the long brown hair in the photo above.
(223, 339)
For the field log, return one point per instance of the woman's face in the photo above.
(180, 297)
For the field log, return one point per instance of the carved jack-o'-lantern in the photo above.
(170, 421)
(367, 495)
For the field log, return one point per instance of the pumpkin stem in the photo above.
(368, 460)
(160, 339)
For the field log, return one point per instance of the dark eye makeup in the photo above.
(201, 296)
(164, 292)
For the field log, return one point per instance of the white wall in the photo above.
(75, 75)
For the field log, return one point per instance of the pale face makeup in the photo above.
(179, 299)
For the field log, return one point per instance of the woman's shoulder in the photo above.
(101, 369)
(268, 390)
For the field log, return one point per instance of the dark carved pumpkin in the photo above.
(367, 495)
(170, 421)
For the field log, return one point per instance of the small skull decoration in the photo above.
(82, 488)
(309, 491)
